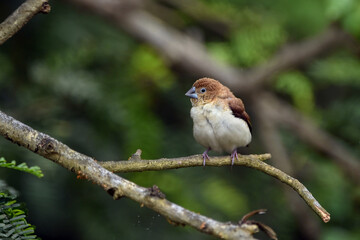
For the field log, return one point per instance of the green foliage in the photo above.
(346, 12)
(222, 52)
(299, 88)
(254, 44)
(13, 224)
(110, 82)
(251, 44)
(338, 9)
(352, 20)
(341, 70)
(148, 66)
(34, 170)
(300, 19)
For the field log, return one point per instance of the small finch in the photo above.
(220, 120)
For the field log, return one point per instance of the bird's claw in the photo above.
(234, 155)
(205, 156)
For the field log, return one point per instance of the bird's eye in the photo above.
(203, 90)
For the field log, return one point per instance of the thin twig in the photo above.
(21, 16)
(292, 182)
(116, 186)
(251, 161)
(174, 163)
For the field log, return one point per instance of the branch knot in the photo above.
(46, 146)
(154, 191)
(45, 8)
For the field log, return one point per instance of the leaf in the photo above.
(35, 170)
(13, 224)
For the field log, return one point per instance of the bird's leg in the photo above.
(233, 156)
(206, 156)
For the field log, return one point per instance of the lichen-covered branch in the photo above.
(21, 16)
(252, 161)
(116, 186)
(292, 182)
(135, 164)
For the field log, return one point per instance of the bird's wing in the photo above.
(238, 110)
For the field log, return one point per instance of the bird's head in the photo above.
(205, 90)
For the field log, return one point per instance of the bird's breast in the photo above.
(215, 126)
(203, 129)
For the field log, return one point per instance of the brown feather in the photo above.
(213, 89)
(210, 84)
(238, 110)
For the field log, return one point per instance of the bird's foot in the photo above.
(206, 156)
(234, 155)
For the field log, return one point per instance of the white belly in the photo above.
(219, 129)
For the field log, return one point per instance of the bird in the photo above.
(220, 121)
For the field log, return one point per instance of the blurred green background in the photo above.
(75, 76)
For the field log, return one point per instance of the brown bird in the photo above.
(220, 120)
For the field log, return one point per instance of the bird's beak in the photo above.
(192, 93)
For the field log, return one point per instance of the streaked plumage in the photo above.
(220, 120)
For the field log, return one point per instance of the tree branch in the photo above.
(136, 164)
(252, 161)
(81, 164)
(116, 186)
(292, 182)
(21, 16)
